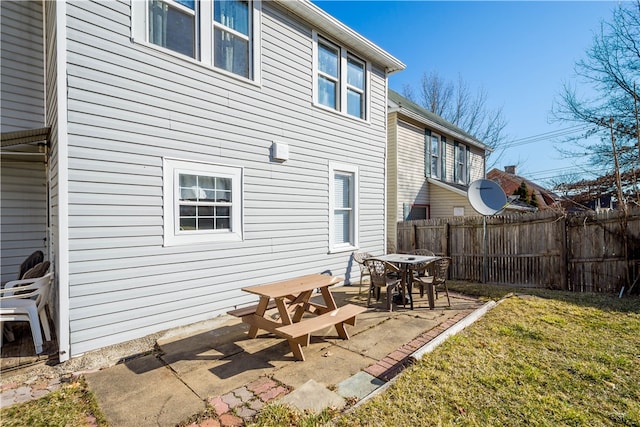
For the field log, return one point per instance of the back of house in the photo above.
(185, 149)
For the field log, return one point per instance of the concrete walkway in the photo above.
(213, 370)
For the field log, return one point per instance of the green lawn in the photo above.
(557, 359)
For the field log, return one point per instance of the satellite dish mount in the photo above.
(488, 199)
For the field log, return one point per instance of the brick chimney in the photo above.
(510, 169)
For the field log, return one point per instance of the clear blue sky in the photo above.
(519, 52)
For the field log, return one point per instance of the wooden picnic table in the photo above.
(292, 298)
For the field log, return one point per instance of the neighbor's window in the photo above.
(203, 202)
(461, 168)
(436, 153)
(341, 81)
(217, 33)
(343, 207)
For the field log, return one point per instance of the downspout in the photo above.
(64, 341)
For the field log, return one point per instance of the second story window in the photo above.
(220, 33)
(434, 155)
(172, 25)
(355, 87)
(341, 79)
(328, 77)
(436, 150)
(231, 41)
(462, 157)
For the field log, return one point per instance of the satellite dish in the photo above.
(486, 197)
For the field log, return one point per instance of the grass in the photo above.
(554, 359)
(73, 405)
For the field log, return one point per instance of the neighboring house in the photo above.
(429, 166)
(184, 150)
(509, 181)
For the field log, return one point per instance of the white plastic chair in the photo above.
(25, 300)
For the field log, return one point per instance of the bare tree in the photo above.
(458, 104)
(612, 70)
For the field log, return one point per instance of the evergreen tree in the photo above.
(523, 192)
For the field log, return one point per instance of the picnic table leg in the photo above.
(342, 331)
(262, 307)
(296, 345)
(328, 298)
(302, 308)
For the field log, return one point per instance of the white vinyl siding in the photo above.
(23, 209)
(412, 187)
(22, 65)
(23, 195)
(131, 106)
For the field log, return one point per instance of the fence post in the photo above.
(564, 256)
(445, 240)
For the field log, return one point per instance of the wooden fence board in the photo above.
(577, 252)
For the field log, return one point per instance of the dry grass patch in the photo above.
(529, 361)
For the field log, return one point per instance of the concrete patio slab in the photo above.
(359, 385)
(313, 397)
(326, 363)
(219, 364)
(143, 392)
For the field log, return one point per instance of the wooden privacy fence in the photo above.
(577, 251)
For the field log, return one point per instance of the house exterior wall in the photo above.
(23, 195)
(130, 106)
(21, 66)
(23, 209)
(444, 202)
(408, 186)
(392, 180)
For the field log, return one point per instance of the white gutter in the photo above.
(447, 187)
(62, 254)
(440, 128)
(324, 22)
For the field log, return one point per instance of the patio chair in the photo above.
(436, 277)
(37, 257)
(422, 252)
(381, 278)
(359, 257)
(28, 304)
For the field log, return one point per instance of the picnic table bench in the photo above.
(292, 298)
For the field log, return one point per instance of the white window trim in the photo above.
(342, 80)
(172, 237)
(343, 247)
(204, 57)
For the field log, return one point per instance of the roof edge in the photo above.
(323, 21)
(26, 136)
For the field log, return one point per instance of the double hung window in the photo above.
(460, 167)
(343, 207)
(462, 158)
(341, 79)
(202, 202)
(435, 148)
(218, 33)
(436, 156)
